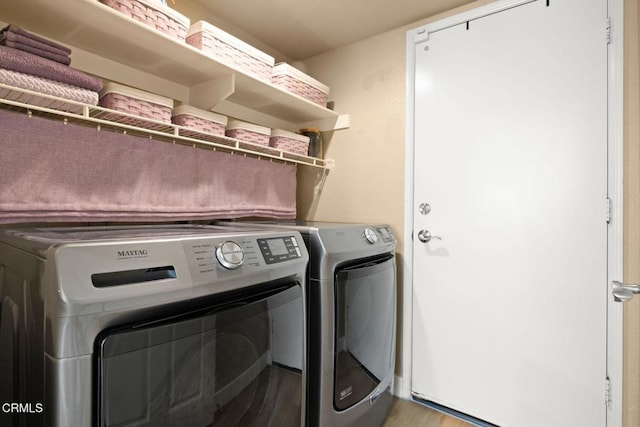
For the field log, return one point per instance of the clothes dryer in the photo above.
(152, 325)
(351, 306)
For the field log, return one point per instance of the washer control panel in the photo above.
(235, 256)
(230, 255)
(279, 249)
(385, 234)
(378, 235)
(371, 235)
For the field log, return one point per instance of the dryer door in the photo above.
(365, 298)
(224, 364)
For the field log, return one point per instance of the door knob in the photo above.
(622, 292)
(425, 236)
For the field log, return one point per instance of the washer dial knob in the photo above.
(371, 235)
(230, 255)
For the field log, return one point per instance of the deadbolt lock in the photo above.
(424, 208)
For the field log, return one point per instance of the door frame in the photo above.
(615, 62)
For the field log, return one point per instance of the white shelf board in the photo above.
(93, 27)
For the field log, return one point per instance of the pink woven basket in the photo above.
(138, 107)
(248, 136)
(288, 144)
(228, 49)
(199, 124)
(153, 17)
(301, 88)
(230, 55)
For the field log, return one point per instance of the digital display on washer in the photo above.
(279, 249)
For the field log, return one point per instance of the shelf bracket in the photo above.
(328, 124)
(209, 94)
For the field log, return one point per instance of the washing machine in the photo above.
(351, 306)
(174, 325)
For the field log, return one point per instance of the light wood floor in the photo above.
(405, 413)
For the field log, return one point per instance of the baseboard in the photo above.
(399, 388)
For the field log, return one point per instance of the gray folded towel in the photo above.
(28, 63)
(18, 41)
(40, 42)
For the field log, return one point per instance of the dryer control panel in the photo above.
(100, 269)
(279, 249)
(230, 255)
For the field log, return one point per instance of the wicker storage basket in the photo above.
(289, 141)
(200, 120)
(248, 132)
(154, 14)
(137, 102)
(295, 81)
(230, 50)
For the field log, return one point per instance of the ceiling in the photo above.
(299, 29)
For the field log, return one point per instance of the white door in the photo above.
(509, 307)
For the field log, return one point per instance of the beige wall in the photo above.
(367, 80)
(367, 183)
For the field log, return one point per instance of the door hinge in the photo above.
(607, 392)
(608, 31)
(608, 211)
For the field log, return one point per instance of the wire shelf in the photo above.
(68, 111)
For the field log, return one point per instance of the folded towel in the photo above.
(76, 173)
(28, 63)
(17, 41)
(47, 87)
(53, 46)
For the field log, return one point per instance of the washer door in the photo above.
(365, 294)
(217, 366)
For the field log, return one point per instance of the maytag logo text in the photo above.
(133, 253)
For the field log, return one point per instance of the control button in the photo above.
(230, 255)
(371, 235)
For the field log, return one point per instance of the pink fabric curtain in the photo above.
(51, 171)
